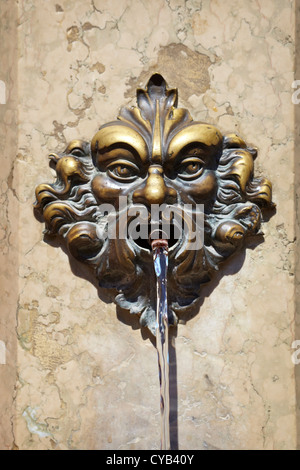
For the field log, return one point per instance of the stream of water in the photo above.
(160, 260)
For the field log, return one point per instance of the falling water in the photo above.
(160, 259)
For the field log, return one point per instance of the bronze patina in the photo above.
(154, 155)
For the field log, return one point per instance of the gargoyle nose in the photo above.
(155, 190)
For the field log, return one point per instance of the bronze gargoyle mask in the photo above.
(154, 155)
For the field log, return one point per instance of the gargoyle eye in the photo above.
(123, 171)
(190, 168)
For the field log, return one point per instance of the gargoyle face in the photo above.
(154, 160)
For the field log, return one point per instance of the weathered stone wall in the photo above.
(87, 376)
(297, 215)
(9, 220)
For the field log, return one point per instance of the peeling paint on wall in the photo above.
(173, 61)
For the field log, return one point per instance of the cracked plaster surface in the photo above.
(8, 226)
(86, 379)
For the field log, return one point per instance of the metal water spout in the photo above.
(160, 260)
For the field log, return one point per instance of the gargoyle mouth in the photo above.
(172, 234)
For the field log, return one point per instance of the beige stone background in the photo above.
(74, 373)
